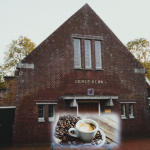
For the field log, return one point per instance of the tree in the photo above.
(1, 79)
(16, 51)
(146, 65)
(139, 48)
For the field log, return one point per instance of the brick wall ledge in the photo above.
(89, 97)
(126, 100)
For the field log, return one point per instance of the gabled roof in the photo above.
(84, 22)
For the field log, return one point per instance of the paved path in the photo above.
(134, 144)
(126, 144)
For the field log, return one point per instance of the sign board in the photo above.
(107, 110)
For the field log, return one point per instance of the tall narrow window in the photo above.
(131, 113)
(77, 54)
(88, 64)
(41, 113)
(123, 111)
(51, 112)
(98, 56)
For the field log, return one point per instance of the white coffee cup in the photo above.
(86, 136)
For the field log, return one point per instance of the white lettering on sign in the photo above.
(89, 81)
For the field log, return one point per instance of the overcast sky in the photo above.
(37, 19)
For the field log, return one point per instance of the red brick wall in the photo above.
(8, 96)
(54, 76)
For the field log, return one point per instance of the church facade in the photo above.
(82, 67)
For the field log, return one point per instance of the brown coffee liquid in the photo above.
(86, 127)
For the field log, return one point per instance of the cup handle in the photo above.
(72, 129)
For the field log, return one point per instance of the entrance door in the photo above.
(88, 107)
(6, 122)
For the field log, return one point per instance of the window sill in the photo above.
(131, 117)
(51, 119)
(77, 68)
(88, 69)
(123, 117)
(99, 69)
(41, 120)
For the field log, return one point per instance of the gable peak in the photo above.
(86, 6)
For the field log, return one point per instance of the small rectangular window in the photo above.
(51, 112)
(131, 111)
(123, 111)
(41, 113)
(77, 53)
(98, 56)
(88, 64)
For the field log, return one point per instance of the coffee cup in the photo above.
(85, 129)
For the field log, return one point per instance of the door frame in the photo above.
(10, 141)
(99, 109)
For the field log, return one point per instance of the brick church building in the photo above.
(82, 67)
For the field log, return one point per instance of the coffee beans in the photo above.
(61, 131)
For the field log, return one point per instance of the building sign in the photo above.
(89, 81)
(107, 110)
(90, 92)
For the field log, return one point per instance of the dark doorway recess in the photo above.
(88, 108)
(6, 126)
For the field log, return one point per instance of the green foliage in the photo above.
(140, 48)
(1, 82)
(1, 78)
(146, 65)
(138, 44)
(16, 51)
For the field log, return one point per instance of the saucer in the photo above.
(89, 145)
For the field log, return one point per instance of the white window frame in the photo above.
(123, 116)
(77, 54)
(88, 60)
(41, 119)
(98, 55)
(131, 112)
(130, 116)
(51, 119)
